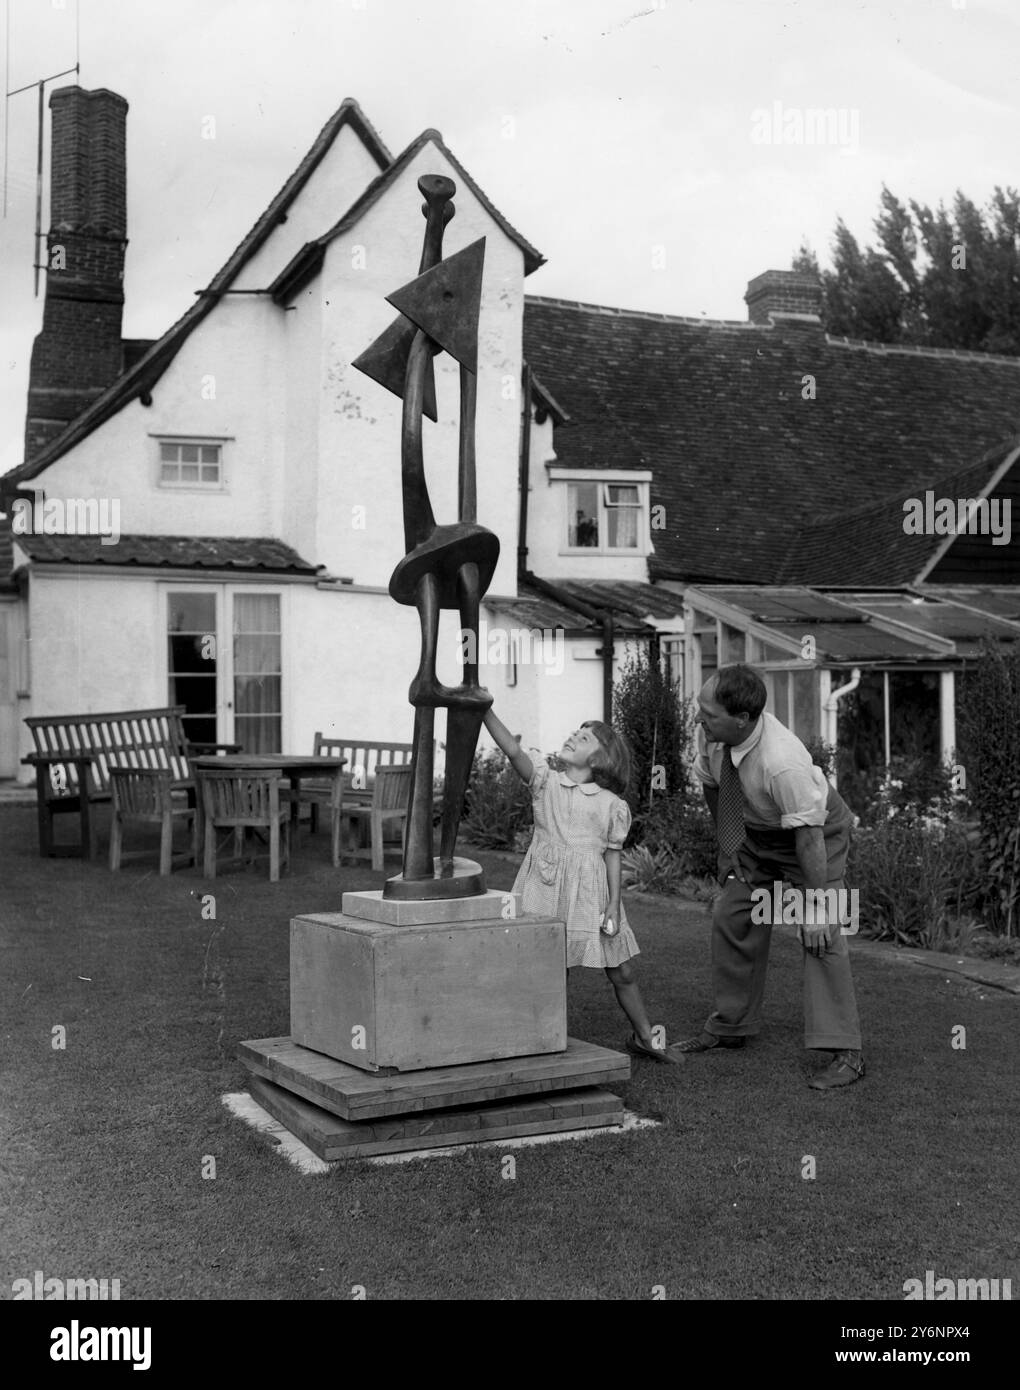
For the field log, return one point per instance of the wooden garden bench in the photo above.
(75, 752)
(363, 758)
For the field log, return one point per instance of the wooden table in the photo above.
(294, 767)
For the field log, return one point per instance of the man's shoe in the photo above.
(706, 1042)
(844, 1069)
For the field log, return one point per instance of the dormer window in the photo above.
(605, 513)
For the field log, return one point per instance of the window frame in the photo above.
(605, 478)
(180, 441)
(225, 592)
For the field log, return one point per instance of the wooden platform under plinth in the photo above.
(356, 1095)
(330, 1137)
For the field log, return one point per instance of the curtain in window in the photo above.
(622, 515)
(257, 673)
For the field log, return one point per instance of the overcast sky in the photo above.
(624, 138)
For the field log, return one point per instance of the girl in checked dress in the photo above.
(572, 868)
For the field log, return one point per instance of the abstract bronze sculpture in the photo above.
(445, 566)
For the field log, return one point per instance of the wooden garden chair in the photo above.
(147, 796)
(244, 801)
(363, 758)
(389, 803)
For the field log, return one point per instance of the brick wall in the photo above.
(79, 352)
(88, 186)
(782, 292)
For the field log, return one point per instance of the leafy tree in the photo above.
(943, 278)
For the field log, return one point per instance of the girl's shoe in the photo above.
(637, 1048)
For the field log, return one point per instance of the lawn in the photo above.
(104, 1141)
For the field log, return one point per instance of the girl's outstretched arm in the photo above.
(519, 760)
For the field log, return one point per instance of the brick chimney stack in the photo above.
(79, 351)
(783, 292)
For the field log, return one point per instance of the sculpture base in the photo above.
(397, 912)
(466, 881)
(435, 994)
(358, 1095)
(331, 1138)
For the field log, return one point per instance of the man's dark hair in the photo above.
(740, 688)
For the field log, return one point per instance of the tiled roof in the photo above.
(170, 552)
(868, 546)
(625, 598)
(629, 602)
(140, 376)
(537, 613)
(743, 464)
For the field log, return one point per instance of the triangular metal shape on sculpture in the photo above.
(445, 302)
(385, 361)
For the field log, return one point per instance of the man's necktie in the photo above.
(730, 816)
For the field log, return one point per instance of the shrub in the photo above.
(683, 827)
(914, 875)
(923, 783)
(647, 871)
(659, 826)
(823, 755)
(672, 844)
(677, 848)
(662, 872)
(497, 805)
(656, 722)
(989, 733)
(697, 840)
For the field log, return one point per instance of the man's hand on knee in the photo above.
(816, 938)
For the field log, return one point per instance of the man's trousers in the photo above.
(740, 946)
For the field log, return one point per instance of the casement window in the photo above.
(191, 463)
(606, 513)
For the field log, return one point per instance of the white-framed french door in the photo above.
(224, 662)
